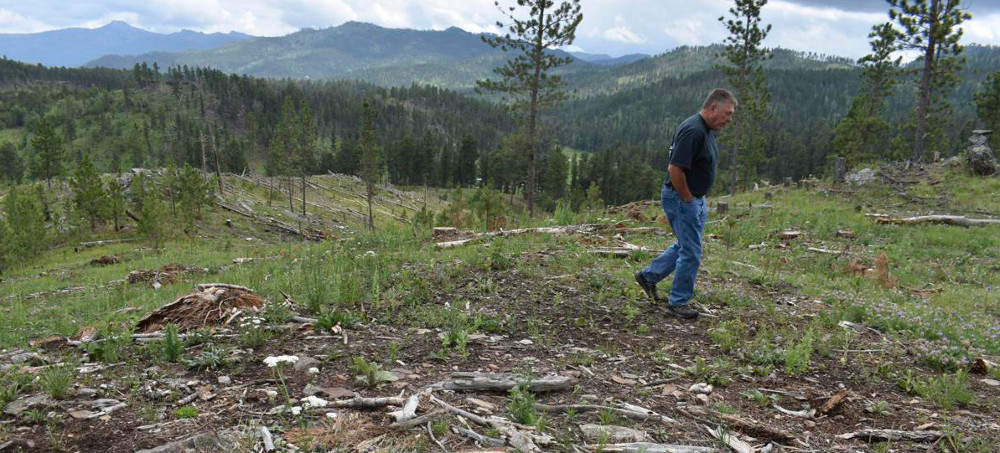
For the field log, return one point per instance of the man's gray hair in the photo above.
(719, 96)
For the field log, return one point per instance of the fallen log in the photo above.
(368, 403)
(558, 231)
(86, 245)
(891, 435)
(503, 382)
(938, 219)
(629, 411)
(638, 447)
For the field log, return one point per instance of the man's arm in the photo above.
(679, 181)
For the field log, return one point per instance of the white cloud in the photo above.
(12, 22)
(789, 9)
(609, 26)
(621, 33)
(984, 29)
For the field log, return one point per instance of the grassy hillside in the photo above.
(785, 325)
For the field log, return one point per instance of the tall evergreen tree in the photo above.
(465, 170)
(933, 28)
(88, 193)
(305, 148)
(988, 105)
(371, 165)
(49, 153)
(527, 77)
(864, 131)
(151, 211)
(746, 55)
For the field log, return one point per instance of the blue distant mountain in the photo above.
(76, 46)
(607, 60)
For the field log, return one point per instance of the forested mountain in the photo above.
(126, 119)
(451, 58)
(76, 46)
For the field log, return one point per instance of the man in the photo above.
(693, 161)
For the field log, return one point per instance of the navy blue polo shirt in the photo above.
(695, 150)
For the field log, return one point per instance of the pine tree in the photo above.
(49, 151)
(934, 30)
(305, 148)
(744, 51)
(371, 165)
(527, 77)
(465, 171)
(988, 105)
(11, 165)
(26, 219)
(115, 201)
(864, 131)
(555, 174)
(151, 211)
(88, 193)
(488, 203)
(196, 191)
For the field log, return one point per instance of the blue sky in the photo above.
(834, 27)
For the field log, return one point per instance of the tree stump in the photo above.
(982, 162)
(721, 207)
(768, 195)
(839, 170)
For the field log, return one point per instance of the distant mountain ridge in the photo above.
(76, 46)
(451, 58)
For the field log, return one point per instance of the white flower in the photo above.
(274, 361)
(370, 253)
(296, 410)
(313, 401)
(313, 370)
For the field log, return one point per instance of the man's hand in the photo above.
(679, 181)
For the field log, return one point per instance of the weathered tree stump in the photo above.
(839, 170)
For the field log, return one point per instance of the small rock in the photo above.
(104, 403)
(611, 433)
(29, 359)
(20, 405)
(701, 388)
(590, 397)
(225, 380)
(702, 398)
(991, 382)
(305, 363)
(86, 391)
(83, 414)
(336, 392)
(526, 342)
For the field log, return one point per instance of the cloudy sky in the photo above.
(616, 27)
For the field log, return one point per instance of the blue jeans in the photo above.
(683, 258)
